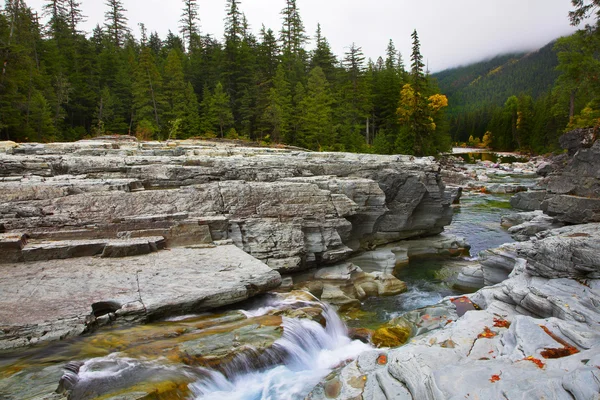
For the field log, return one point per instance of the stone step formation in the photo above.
(115, 210)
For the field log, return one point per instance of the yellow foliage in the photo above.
(407, 98)
(589, 117)
(437, 102)
(487, 139)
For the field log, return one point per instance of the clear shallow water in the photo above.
(310, 350)
(477, 218)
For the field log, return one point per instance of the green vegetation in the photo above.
(526, 101)
(59, 84)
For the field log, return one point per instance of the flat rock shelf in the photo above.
(55, 299)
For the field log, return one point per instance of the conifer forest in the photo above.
(60, 83)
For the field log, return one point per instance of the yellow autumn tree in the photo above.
(418, 114)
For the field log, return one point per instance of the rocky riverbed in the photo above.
(151, 233)
(112, 209)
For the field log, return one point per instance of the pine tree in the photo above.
(207, 119)
(116, 21)
(56, 11)
(147, 95)
(317, 130)
(74, 15)
(190, 120)
(189, 23)
(268, 53)
(234, 30)
(293, 38)
(355, 101)
(414, 137)
(174, 87)
(293, 34)
(322, 56)
(277, 115)
(41, 117)
(220, 110)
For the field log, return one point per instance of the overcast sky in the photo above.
(452, 32)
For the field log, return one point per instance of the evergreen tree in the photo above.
(293, 38)
(116, 21)
(41, 117)
(189, 23)
(355, 101)
(293, 34)
(188, 116)
(219, 109)
(322, 56)
(105, 112)
(414, 136)
(74, 15)
(174, 87)
(147, 96)
(317, 130)
(277, 115)
(56, 11)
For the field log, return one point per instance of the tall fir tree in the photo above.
(189, 24)
(116, 21)
(317, 128)
(322, 55)
(276, 117)
(220, 111)
(293, 39)
(148, 96)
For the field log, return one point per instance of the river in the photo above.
(158, 360)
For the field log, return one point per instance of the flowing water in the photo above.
(154, 359)
(312, 351)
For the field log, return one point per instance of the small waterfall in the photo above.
(309, 351)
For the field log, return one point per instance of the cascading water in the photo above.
(311, 352)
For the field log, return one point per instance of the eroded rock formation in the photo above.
(536, 335)
(291, 209)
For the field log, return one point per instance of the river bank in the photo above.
(289, 344)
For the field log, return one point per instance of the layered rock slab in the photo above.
(55, 299)
(289, 208)
(570, 191)
(535, 337)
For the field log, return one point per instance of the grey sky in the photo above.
(452, 32)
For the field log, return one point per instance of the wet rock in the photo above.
(497, 264)
(395, 333)
(572, 184)
(518, 218)
(498, 188)
(577, 139)
(529, 201)
(6, 146)
(344, 285)
(176, 282)
(535, 334)
(470, 279)
(455, 193)
(528, 229)
(389, 257)
(573, 209)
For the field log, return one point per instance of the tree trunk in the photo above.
(153, 100)
(572, 104)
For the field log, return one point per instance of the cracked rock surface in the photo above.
(289, 208)
(59, 298)
(536, 335)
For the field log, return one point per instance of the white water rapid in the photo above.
(311, 350)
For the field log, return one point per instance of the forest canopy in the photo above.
(61, 84)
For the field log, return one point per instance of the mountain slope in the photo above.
(492, 82)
